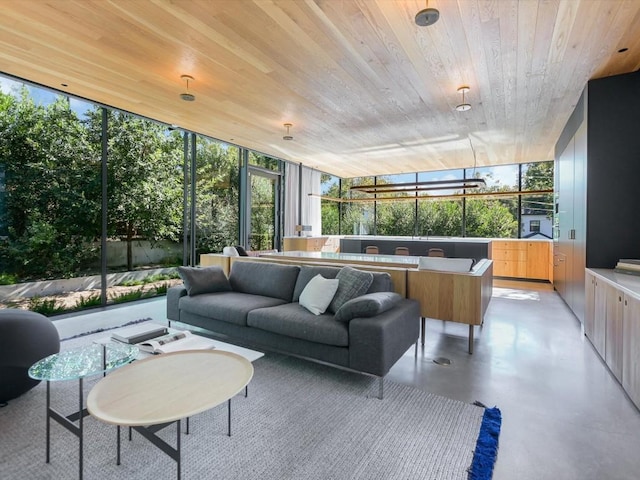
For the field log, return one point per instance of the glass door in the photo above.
(263, 206)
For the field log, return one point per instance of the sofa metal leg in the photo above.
(423, 322)
(470, 339)
(380, 387)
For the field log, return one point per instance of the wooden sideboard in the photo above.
(522, 259)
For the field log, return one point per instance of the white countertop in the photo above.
(630, 284)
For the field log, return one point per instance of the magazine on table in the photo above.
(175, 342)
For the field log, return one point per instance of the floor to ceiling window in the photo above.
(217, 195)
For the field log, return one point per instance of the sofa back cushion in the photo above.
(204, 280)
(381, 280)
(263, 278)
(307, 272)
(352, 283)
(381, 283)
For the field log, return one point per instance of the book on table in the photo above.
(138, 333)
(176, 342)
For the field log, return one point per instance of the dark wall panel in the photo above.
(613, 170)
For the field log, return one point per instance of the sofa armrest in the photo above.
(376, 343)
(173, 301)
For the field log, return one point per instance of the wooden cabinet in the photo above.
(613, 330)
(590, 305)
(311, 244)
(521, 259)
(612, 324)
(538, 260)
(631, 348)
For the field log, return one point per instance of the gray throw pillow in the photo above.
(368, 305)
(204, 280)
(352, 284)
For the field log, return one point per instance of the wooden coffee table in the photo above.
(149, 394)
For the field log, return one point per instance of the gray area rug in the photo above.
(301, 420)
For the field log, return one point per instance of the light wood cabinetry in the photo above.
(613, 330)
(612, 324)
(631, 348)
(311, 244)
(521, 259)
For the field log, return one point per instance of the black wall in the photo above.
(613, 170)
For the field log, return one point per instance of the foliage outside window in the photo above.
(217, 191)
(357, 217)
(330, 210)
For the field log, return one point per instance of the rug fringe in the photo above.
(486, 452)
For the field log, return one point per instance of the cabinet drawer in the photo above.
(510, 255)
(508, 245)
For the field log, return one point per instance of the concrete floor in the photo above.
(564, 415)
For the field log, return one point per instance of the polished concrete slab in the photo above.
(564, 415)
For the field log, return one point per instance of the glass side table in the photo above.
(78, 363)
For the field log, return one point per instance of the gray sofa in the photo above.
(258, 306)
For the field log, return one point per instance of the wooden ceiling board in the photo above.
(367, 90)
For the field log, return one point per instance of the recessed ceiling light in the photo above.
(622, 50)
(64, 85)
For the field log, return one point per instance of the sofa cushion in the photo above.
(264, 278)
(231, 307)
(293, 320)
(204, 280)
(307, 272)
(318, 293)
(353, 283)
(381, 283)
(367, 305)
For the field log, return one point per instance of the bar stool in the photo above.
(435, 252)
(371, 249)
(402, 251)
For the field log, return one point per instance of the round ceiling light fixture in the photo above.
(464, 106)
(427, 17)
(186, 96)
(287, 136)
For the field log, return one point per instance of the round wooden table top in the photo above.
(168, 387)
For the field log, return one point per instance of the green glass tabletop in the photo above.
(83, 361)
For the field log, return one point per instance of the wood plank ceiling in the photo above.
(366, 89)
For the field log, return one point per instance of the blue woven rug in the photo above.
(486, 451)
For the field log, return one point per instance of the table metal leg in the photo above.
(423, 320)
(118, 444)
(229, 416)
(80, 425)
(178, 448)
(48, 419)
(470, 339)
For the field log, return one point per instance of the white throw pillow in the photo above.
(318, 293)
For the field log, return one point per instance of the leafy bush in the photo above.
(131, 296)
(162, 289)
(8, 279)
(87, 302)
(131, 283)
(45, 307)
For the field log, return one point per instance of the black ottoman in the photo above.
(25, 338)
